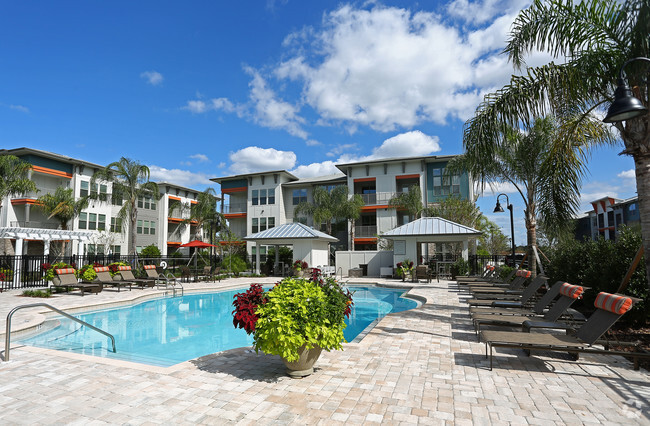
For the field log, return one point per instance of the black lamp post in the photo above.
(625, 105)
(499, 209)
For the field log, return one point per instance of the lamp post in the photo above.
(499, 209)
(625, 105)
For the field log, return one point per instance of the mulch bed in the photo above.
(628, 335)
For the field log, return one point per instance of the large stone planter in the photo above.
(305, 364)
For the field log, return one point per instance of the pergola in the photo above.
(428, 230)
(309, 245)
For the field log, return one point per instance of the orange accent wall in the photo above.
(229, 190)
(174, 198)
(365, 240)
(173, 243)
(174, 220)
(20, 201)
(370, 179)
(53, 172)
(371, 208)
(408, 176)
(194, 202)
(234, 215)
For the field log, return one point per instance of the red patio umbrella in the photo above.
(196, 244)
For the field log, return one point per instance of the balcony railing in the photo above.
(234, 208)
(34, 224)
(365, 231)
(378, 198)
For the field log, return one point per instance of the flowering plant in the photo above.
(404, 268)
(48, 269)
(299, 265)
(113, 268)
(87, 272)
(296, 313)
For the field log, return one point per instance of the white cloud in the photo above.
(178, 176)
(20, 108)
(481, 12)
(312, 142)
(340, 149)
(201, 158)
(221, 165)
(316, 169)
(409, 144)
(255, 159)
(196, 107)
(492, 189)
(152, 77)
(627, 174)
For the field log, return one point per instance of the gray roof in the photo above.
(291, 231)
(431, 226)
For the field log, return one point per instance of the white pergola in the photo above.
(45, 235)
(428, 230)
(309, 245)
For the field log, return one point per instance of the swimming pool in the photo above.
(167, 331)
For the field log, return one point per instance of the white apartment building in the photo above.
(107, 233)
(257, 201)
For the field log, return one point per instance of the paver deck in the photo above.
(422, 366)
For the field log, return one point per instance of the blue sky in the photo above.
(203, 89)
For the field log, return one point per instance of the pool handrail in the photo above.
(58, 311)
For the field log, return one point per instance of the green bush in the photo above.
(504, 271)
(37, 293)
(150, 252)
(602, 265)
(234, 264)
(461, 267)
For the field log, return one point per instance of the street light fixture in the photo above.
(625, 105)
(499, 209)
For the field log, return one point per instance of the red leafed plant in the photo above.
(246, 304)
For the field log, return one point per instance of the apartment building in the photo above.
(108, 234)
(257, 201)
(608, 215)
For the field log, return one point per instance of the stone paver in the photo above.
(423, 366)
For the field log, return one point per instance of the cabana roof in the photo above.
(283, 234)
(45, 234)
(431, 226)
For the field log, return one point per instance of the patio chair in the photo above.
(104, 277)
(488, 272)
(486, 299)
(422, 273)
(515, 287)
(568, 294)
(514, 307)
(186, 274)
(609, 308)
(65, 277)
(521, 275)
(126, 274)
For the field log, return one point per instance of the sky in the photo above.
(204, 89)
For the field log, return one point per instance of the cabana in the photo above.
(406, 238)
(309, 245)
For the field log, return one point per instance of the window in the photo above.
(262, 224)
(601, 220)
(116, 200)
(146, 202)
(83, 192)
(152, 230)
(610, 218)
(101, 224)
(619, 219)
(271, 195)
(116, 249)
(632, 207)
(139, 227)
(116, 224)
(271, 222)
(92, 221)
(256, 228)
(83, 220)
(299, 196)
(256, 197)
(262, 196)
(145, 227)
(445, 184)
(140, 202)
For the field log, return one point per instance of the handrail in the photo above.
(58, 311)
(171, 279)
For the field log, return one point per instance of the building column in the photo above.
(46, 247)
(17, 262)
(277, 258)
(257, 257)
(466, 249)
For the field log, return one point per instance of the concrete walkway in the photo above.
(421, 366)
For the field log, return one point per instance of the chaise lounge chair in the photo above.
(127, 275)
(519, 307)
(568, 294)
(104, 277)
(66, 278)
(486, 299)
(488, 273)
(610, 307)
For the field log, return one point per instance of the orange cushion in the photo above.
(527, 274)
(64, 271)
(613, 303)
(124, 268)
(101, 268)
(149, 266)
(573, 291)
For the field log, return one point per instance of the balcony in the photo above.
(234, 208)
(378, 198)
(365, 231)
(35, 225)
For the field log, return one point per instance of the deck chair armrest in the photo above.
(507, 304)
(530, 324)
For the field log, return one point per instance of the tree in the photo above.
(14, 178)
(130, 181)
(62, 206)
(592, 38)
(493, 240)
(411, 201)
(201, 213)
(350, 210)
(326, 207)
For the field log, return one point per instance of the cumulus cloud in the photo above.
(199, 106)
(152, 77)
(480, 12)
(409, 144)
(312, 142)
(316, 169)
(255, 159)
(178, 176)
(20, 108)
(201, 158)
(492, 189)
(627, 174)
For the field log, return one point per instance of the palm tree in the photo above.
(547, 179)
(326, 206)
(14, 178)
(350, 210)
(202, 212)
(62, 206)
(130, 181)
(593, 38)
(411, 201)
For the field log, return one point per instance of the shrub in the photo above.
(150, 251)
(113, 268)
(234, 264)
(504, 271)
(48, 269)
(37, 293)
(461, 266)
(87, 272)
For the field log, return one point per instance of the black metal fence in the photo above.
(31, 269)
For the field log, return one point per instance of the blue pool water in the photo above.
(168, 331)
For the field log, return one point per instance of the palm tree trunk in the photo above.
(132, 231)
(642, 169)
(531, 234)
(351, 248)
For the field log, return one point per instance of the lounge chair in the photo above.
(521, 275)
(520, 307)
(486, 299)
(104, 277)
(487, 274)
(514, 288)
(422, 273)
(127, 275)
(568, 294)
(609, 308)
(66, 278)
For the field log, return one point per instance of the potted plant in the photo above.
(300, 268)
(404, 268)
(296, 319)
